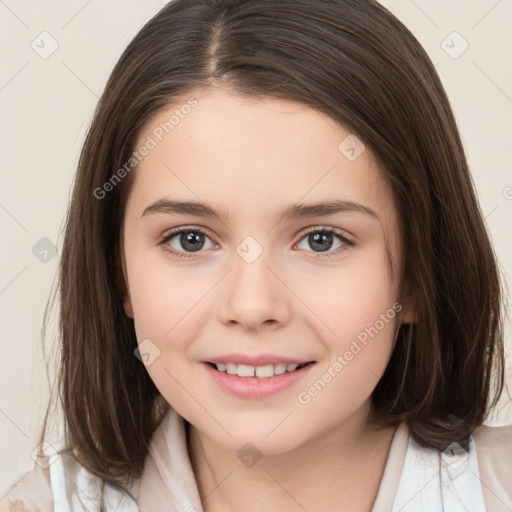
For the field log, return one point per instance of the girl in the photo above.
(277, 291)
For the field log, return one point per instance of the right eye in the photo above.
(190, 239)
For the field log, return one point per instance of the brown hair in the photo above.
(354, 61)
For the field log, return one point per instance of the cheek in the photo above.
(352, 297)
(357, 356)
(358, 310)
(162, 301)
(164, 305)
(171, 306)
(159, 291)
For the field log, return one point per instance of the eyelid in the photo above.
(177, 230)
(171, 233)
(349, 237)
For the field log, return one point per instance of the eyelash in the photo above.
(317, 229)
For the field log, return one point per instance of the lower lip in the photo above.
(253, 387)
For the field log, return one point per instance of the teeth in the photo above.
(261, 372)
(279, 369)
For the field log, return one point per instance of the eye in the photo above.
(190, 239)
(322, 238)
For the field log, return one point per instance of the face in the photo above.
(260, 279)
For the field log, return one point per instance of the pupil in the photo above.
(191, 241)
(319, 239)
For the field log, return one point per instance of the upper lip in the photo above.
(260, 360)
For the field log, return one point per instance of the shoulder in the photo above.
(47, 486)
(494, 453)
(29, 493)
(494, 444)
(4, 505)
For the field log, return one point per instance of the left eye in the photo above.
(322, 240)
(189, 239)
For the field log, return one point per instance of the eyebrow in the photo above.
(294, 211)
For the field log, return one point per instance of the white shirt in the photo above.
(415, 478)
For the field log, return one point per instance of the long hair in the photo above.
(356, 62)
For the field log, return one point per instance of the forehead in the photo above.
(252, 155)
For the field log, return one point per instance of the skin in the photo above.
(253, 158)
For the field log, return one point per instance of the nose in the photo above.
(254, 297)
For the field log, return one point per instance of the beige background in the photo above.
(46, 106)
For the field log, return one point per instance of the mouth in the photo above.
(257, 382)
(257, 372)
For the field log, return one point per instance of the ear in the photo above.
(121, 279)
(408, 314)
(127, 303)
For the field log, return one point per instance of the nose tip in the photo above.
(254, 296)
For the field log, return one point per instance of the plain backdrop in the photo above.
(56, 58)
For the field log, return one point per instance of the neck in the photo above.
(340, 469)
